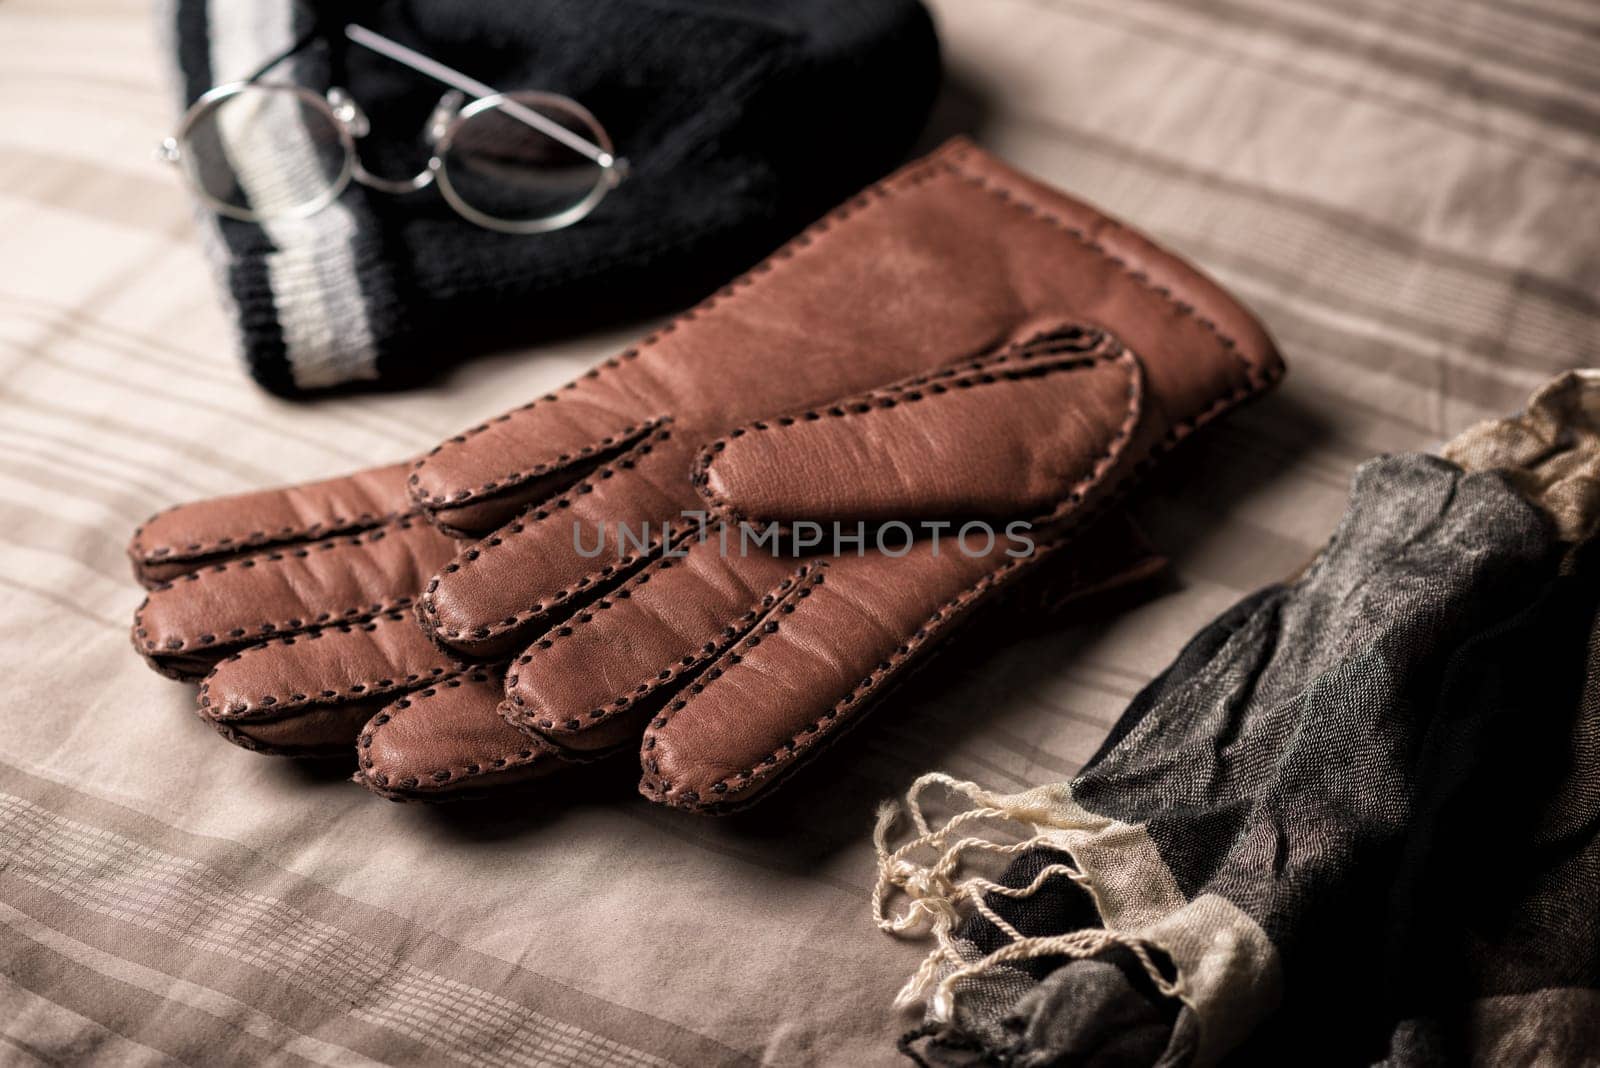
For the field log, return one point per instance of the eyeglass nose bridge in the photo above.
(349, 115)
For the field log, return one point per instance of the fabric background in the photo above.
(1405, 191)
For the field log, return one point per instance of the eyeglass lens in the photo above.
(505, 169)
(265, 152)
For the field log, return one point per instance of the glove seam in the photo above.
(510, 481)
(812, 735)
(380, 783)
(708, 652)
(197, 552)
(152, 650)
(533, 513)
(1258, 374)
(971, 375)
(945, 162)
(234, 736)
(281, 705)
(752, 778)
(877, 193)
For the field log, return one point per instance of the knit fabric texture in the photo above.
(1356, 821)
(741, 120)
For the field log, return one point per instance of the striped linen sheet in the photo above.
(1407, 191)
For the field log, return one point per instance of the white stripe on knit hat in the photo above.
(316, 292)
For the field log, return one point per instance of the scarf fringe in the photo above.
(938, 901)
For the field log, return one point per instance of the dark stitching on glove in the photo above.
(255, 539)
(152, 650)
(519, 715)
(915, 176)
(282, 705)
(807, 737)
(380, 783)
(793, 751)
(811, 737)
(976, 373)
(428, 608)
(1259, 377)
(514, 478)
(938, 165)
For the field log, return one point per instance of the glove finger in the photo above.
(481, 479)
(310, 694)
(670, 628)
(800, 678)
(448, 741)
(191, 536)
(186, 626)
(593, 682)
(502, 592)
(1026, 434)
(597, 679)
(809, 669)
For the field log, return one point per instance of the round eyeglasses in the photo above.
(523, 162)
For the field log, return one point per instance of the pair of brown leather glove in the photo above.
(956, 371)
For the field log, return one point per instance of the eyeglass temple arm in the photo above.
(456, 80)
(299, 45)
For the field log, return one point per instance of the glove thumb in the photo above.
(1035, 431)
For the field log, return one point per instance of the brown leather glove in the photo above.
(957, 344)
(295, 604)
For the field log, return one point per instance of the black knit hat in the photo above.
(741, 119)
